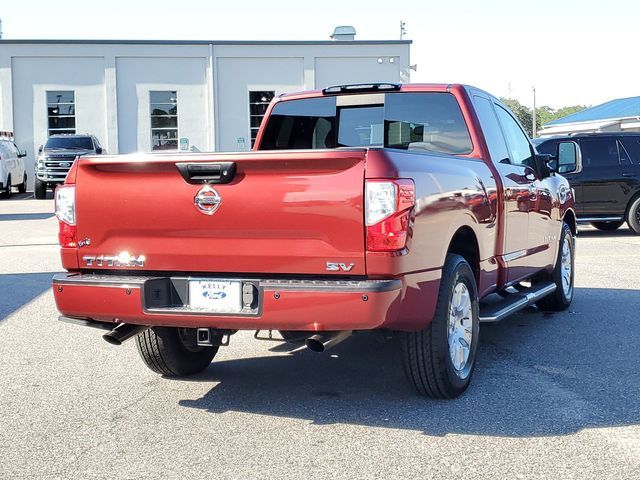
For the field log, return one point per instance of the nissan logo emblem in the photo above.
(207, 200)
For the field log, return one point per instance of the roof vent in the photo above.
(344, 33)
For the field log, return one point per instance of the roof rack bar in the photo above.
(362, 87)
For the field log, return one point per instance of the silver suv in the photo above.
(57, 155)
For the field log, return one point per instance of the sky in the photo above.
(572, 52)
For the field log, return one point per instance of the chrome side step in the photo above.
(599, 219)
(515, 302)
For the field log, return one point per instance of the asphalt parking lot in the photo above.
(554, 395)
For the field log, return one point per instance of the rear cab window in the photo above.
(426, 121)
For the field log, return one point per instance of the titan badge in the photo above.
(121, 260)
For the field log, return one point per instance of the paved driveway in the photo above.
(554, 395)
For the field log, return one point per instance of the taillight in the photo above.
(65, 208)
(387, 207)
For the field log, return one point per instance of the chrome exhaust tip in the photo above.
(321, 342)
(123, 332)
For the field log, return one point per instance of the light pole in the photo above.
(534, 113)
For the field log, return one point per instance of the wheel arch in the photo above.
(571, 220)
(464, 242)
(631, 201)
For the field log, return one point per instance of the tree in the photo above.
(544, 114)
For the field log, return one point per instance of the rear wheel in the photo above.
(607, 226)
(562, 275)
(7, 191)
(22, 188)
(633, 216)
(439, 360)
(40, 189)
(173, 352)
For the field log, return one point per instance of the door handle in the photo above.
(200, 173)
(627, 175)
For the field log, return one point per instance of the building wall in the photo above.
(343, 70)
(112, 83)
(32, 77)
(236, 77)
(137, 76)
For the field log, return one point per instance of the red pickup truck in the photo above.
(422, 210)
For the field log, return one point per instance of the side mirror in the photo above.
(22, 153)
(99, 150)
(40, 148)
(544, 164)
(568, 158)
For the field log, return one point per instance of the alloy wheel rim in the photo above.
(566, 267)
(460, 331)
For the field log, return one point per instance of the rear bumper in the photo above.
(312, 305)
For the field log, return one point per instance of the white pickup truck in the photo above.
(12, 171)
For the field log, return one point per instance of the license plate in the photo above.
(216, 296)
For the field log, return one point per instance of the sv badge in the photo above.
(339, 267)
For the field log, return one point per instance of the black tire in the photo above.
(633, 216)
(607, 226)
(173, 352)
(6, 193)
(425, 354)
(561, 299)
(40, 189)
(22, 188)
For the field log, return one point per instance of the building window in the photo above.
(61, 112)
(164, 119)
(258, 103)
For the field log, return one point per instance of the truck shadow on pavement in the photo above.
(18, 289)
(623, 231)
(538, 375)
(12, 217)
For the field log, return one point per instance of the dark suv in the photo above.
(608, 187)
(56, 156)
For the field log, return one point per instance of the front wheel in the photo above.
(633, 216)
(439, 360)
(7, 191)
(607, 226)
(173, 352)
(40, 189)
(22, 188)
(562, 275)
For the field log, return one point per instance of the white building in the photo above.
(146, 95)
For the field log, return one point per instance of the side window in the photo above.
(517, 141)
(424, 121)
(548, 148)
(491, 129)
(632, 148)
(13, 149)
(601, 152)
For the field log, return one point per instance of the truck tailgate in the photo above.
(282, 213)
